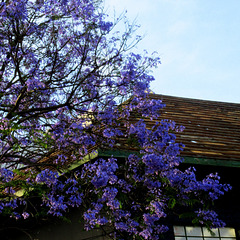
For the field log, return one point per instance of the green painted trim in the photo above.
(191, 160)
(115, 153)
(212, 162)
(85, 159)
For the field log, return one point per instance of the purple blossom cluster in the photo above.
(208, 216)
(6, 175)
(47, 177)
(209, 188)
(60, 194)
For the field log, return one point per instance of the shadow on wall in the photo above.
(57, 230)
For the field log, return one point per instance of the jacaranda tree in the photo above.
(69, 85)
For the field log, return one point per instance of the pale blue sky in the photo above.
(198, 42)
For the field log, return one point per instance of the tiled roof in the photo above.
(212, 129)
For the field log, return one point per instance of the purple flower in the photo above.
(146, 233)
(6, 175)
(48, 177)
(210, 217)
(25, 215)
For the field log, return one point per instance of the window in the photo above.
(201, 233)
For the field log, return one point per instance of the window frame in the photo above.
(202, 233)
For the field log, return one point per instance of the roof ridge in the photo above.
(189, 99)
